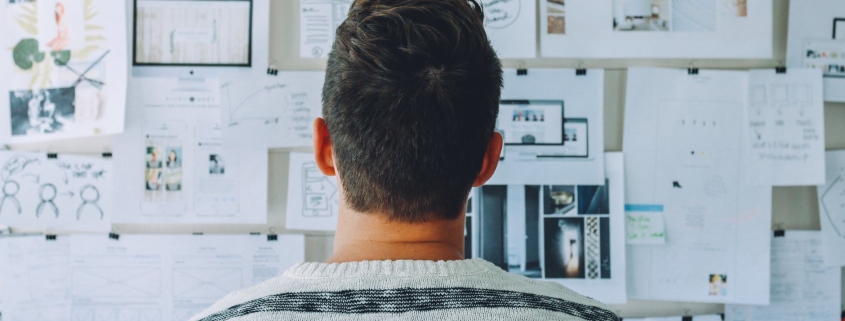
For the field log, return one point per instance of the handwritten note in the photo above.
(785, 132)
(510, 25)
(645, 228)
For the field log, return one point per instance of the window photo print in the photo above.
(41, 111)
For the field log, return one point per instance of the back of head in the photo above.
(410, 102)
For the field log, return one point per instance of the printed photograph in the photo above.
(507, 237)
(718, 285)
(173, 170)
(216, 165)
(594, 199)
(558, 199)
(564, 248)
(153, 173)
(665, 15)
(468, 238)
(153, 179)
(556, 11)
(41, 111)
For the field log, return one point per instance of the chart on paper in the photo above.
(272, 111)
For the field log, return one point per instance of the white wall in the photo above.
(794, 208)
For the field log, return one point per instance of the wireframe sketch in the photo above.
(47, 193)
(319, 192)
(90, 196)
(499, 14)
(118, 282)
(102, 314)
(318, 21)
(833, 205)
(205, 283)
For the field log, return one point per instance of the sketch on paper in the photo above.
(272, 111)
(785, 131)
(500, 14)
(210, 283)
(833, 205)
(122, 282)
(313, 198)
(58, 84)
(62, 191)
(319, 193)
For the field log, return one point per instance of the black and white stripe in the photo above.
(408, 300)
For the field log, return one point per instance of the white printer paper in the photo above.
(803, 286)
(512, 27)
(138, 277)
(312, 197)
(817, 40)
(683, 158)
(785, 133)
(271, 111)
(318, 20)
(578, 156)
(36, 278)
(656, 28)
(65, 193)
(173, 166)
(64, 69)
(832, 210)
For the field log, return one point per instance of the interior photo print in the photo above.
(549, 231)
(673, 15)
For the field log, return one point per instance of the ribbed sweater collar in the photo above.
(389, 268)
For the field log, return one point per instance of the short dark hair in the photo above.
(410, 101)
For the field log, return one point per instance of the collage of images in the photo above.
(59, 59)
(548, 231)
(163, 170)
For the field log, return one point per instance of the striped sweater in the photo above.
(404, 290)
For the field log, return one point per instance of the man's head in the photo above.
(410, 105)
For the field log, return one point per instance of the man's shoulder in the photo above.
(492, 293)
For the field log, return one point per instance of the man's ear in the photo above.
(323, 148)
(491, 160)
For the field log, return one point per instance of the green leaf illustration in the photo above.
(26, 53)
(61, 57)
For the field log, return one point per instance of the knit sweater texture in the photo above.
(404, 290)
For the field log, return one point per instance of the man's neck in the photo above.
(371, 237)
